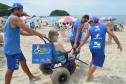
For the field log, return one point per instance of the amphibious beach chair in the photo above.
(59, 66)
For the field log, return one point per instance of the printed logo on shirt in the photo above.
(97, 36)
(97, 29)
(97, 45)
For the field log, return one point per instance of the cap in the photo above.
(16, 5)
(93, 19)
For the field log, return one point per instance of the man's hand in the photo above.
(75, 45)
(120, 47)
(77, 49)
(42, 35)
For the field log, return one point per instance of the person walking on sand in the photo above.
(97, 44)
(77, 31)
(13, 27)
(110, 25)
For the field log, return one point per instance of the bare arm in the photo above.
(87, 35)
(18, 22)
(77, 35)
(86, 26)
(60, 47)
(25, 33)
(114, 37)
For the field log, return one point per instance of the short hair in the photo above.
(86, 16)
(52, 35)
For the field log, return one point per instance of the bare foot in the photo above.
(34, 78)
(89, 79)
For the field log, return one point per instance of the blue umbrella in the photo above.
(108, 19)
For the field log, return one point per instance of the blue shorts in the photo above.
(98, 56)
(13, 60)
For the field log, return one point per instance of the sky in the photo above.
(74, 7)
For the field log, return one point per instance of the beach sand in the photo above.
(113, 72)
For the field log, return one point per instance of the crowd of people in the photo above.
(79, 35)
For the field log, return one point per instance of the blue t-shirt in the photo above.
(98, 35)
(11, 38)
(77, 24)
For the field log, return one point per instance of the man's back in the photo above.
(97, 34)
(12, 37)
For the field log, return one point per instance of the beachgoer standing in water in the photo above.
(13, 27)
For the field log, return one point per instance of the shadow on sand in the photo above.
(104, 79)
(76, 78)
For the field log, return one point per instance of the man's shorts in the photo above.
(13, 60)
(98, 56)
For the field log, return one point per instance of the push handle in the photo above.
(43, 38)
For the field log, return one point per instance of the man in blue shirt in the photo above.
(13, 27)
(77, 31)
(97, 44)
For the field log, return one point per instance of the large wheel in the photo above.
(70, 65)
(46, 68)
(60, 76)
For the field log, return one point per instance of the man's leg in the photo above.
(8, 76)
(90, 72)
(26, 69)
(90, 64)
(11, 64)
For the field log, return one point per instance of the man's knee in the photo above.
(10, 71)
(23, 62)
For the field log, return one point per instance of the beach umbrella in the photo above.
(37, 19)
(107, 19)
(25, 17)
(67, 19)
(44, 19)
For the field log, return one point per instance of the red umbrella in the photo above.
(67, 19)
